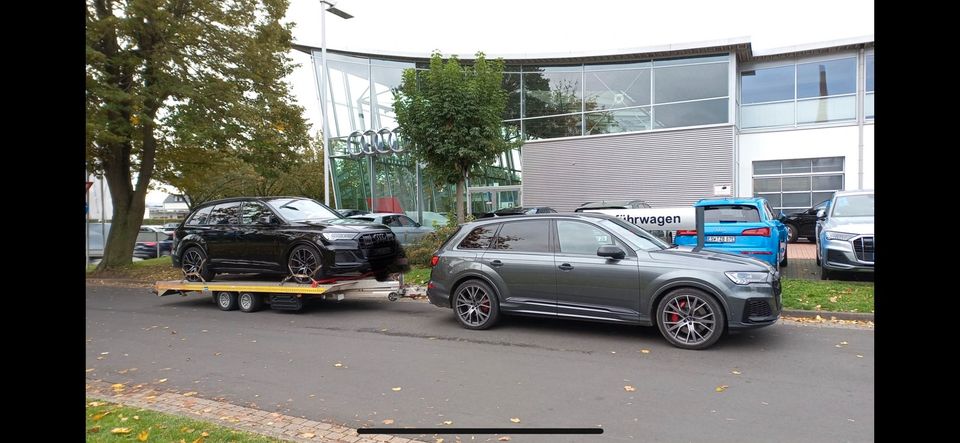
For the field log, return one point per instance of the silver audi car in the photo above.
(845, 234)
(597, 267)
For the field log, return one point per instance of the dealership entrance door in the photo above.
(483, 199)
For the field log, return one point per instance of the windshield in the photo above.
(633, 234)
(853, 206)
(301, 209)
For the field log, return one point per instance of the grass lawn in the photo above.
(827, 295)
(148, 270)
(109, 422)
(417, 276)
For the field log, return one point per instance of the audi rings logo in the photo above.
(370, 142)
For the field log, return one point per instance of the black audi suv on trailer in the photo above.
(284, 235)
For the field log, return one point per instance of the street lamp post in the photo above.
(324, 7)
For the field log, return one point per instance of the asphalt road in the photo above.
(794, 383)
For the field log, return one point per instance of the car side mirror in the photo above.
(417, 224)
(611, 251)
(782, 217)
(821, 214)
(267, 220)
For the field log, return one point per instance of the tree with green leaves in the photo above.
(450, 116)
(174, 83)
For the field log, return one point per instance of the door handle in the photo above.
(566, 267)
(496, 263)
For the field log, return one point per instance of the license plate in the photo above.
(720, 238)
(381, 251)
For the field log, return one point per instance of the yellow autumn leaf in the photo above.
(143, 435)
(448, 422)
(104, 353)
(94, 429)
(90, 370)
(204, 434)
(859, 356)
(308, 435)
(629, 388)
(119, 431)
(735, 372)
(134, 120)
(94, 404)
(117, 386)
(833, 299)
(515, 420)
(644, 351)
(199, 440)
(338, 365)
(162, 380)
(843, 343)
(504, 438)
(397, 388)
(439, 440)
(388, 421)
(186, 430)
(100, 415)
(722, 388)
(190, 394)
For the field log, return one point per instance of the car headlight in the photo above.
(745, 278)
(834, 235)
(332, 236)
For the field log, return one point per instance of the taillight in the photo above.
(434, 260)
(150, 243)
(762, 232)
(686, 232)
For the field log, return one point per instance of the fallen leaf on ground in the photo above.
(308, 435)
(439, 440)
(504, 438)
(90, 370)
(143, 435)
(120, 431)
(94, 429)
(207, 409)
(100, 415)
(136, 417)
(162, 380)
(190, 394)
(338, 365)
(515, 420)
(843, 343)
(859, 356)
(629, 388)
(388, 422)
(833, 299)
(722, 388)
(117, 386)
(124, 418)
(397, 388)
(94, 404)
(735, 372)
(644, 351)
(104, 353)
(199, 440)
(448, 422)
(204, 434)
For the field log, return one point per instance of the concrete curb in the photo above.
(858, 316)
(271, 424)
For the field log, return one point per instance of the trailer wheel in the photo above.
(250, 302)
(227, 301)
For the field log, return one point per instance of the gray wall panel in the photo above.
(670, 168)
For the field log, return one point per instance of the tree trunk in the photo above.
(461, 185)
(128, 205)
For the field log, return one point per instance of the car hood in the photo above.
(705, 258)
(852, 225)
(340, 225)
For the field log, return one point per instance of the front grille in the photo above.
(863, 247)
(757, 308)
(377, 244)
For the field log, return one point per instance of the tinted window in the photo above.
(406, 222)
(252, 211)
(200, 217)
(392, 221)
(528, 236)
(479, 238)
(730, 214)
(581, 238)
(298, 209)
(225, 214)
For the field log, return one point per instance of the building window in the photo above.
(868, 98)
(803, 93)
(797, 184)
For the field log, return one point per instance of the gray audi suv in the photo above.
(597, 267)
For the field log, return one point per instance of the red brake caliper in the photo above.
(676, 317)
(485, 306)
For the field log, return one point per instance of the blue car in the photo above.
(743, 226)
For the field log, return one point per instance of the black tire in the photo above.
(475, 305)
(192, 258)
(825, 273)
(250, 301)
(382, 275)
(674, 313)
(792, 233)
(226, 301)
(818, 253)
(305, 260)
(783, 263)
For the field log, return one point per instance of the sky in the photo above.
(518, 27)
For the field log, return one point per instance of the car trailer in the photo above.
(251, 296)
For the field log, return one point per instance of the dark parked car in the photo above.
(283, 235)
(148, 241)
(804, 223)
(519, 211)
(600, 268)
